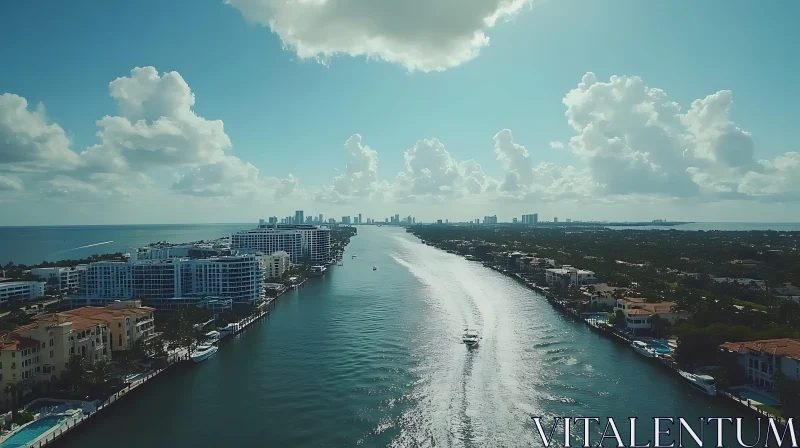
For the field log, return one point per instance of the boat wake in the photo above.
(88, 245)
(465, 397)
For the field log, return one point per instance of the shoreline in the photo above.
(63, 429)
(607, 331)
(79, 416)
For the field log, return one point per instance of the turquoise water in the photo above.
(29, 245)
(659, 347)
(748, 394)
(42, 403)
(30, 432)
(363, 358)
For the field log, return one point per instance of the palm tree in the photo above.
(13, 390)
(100, 371)
(75, 372)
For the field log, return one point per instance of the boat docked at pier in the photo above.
(704, 383)
(207, 348)
(643, 349)
(203, 352)
(471, 337)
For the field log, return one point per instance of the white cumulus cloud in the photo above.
(157, 126)
(226, 177)
(420, 35)
(431, 172)
(29, 141)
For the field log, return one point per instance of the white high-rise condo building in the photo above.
(269, 240)
(110, 279)
(70, 279)
(302, 242)
(238, 278)
(20, 290)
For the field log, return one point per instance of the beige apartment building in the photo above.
(40, 351)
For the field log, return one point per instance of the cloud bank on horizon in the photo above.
(631, 143)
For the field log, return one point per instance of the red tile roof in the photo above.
(18, 343)
(789, 348)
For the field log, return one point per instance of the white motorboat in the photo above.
(704, 383)
(212, 337)
(643, 349)
(471, 337)
(203, 352)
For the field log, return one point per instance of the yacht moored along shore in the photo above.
(704, 383)
(203, 352)
(208, 348)
(643, 349)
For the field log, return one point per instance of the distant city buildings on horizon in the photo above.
(527, 219)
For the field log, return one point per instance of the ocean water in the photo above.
(30, 245)
(374, 358)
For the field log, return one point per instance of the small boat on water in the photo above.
(643, 349)
(374, 268)
(704, 383)
(471, 337)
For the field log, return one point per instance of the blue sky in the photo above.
(288, 115)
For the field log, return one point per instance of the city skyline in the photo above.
(483, 114)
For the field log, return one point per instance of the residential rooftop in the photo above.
(789, 348)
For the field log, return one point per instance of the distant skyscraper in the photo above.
(359, 218)
(438, 221)
(273, 219)
(320, 218)
(386, 220)
(413, 220)
(535, 218)
(298, 217)
(397, 218)
(569, 220)
(555, 219)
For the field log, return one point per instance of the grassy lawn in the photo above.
(769, 410)
(755, 306)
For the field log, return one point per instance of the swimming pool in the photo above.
(749, 394)
(40, 403)
(659, 347)
(31, 432)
